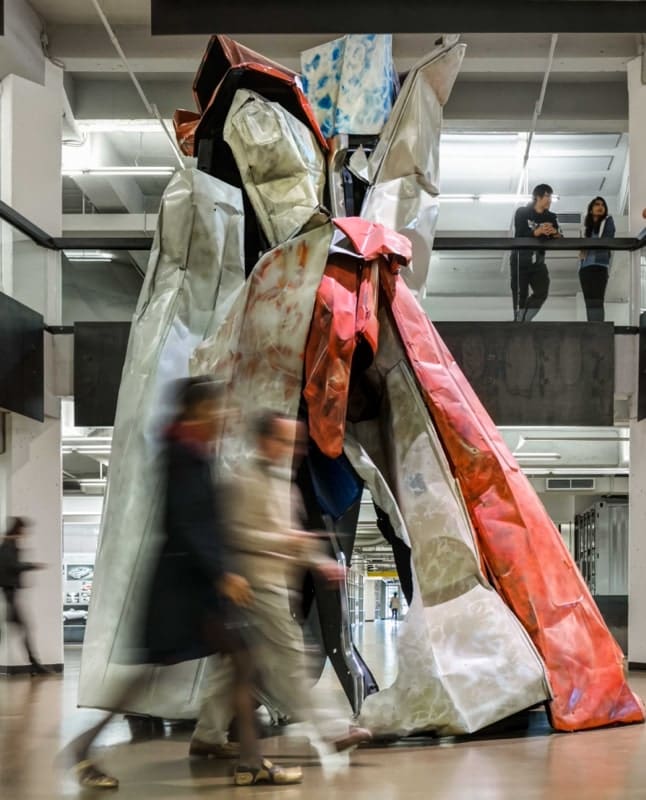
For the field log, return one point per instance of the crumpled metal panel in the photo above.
(524, 551)
(259, 349)
(345, 313)
(373, 239)
(228, 66)
(464, 661)
(350, 83)
(194, 272)
(403, 205)
(328, 358)
(184, 123)
(404, 167)
(222, 54)
(281, 165)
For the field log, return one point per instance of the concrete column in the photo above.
(30, 467)
(637, 486)
(370, 599)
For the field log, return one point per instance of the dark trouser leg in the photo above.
(539, 280)
(244, 672)
(244, 706)
(593, 283)
(519, 273)
(15, 616)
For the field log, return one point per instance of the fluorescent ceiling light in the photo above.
(87, 255)
(99, 450)
(134, 172)
(537, 457)
(120, 125)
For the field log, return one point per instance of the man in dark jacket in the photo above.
(12, 568)
(528, 268)
(192, 608)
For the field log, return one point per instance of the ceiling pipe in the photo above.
(522, 187)
(538, 110)
(150, 107)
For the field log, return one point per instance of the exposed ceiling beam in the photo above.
(86, 48)
(201, 16)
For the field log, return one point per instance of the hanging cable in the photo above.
(151, 108)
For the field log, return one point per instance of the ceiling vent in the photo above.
(569, 219)
(569, 484)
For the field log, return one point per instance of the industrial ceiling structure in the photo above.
(527, 108)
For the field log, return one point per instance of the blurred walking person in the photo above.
(12, 568)
(271, 551)
(395, 606)
(594, 265)
(193, 604)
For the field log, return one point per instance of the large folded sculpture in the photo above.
(500, 618)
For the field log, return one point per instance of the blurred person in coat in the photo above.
(12, 569)
(271, 551)
(194, 601)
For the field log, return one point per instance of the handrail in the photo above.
(629, 244)
(43, 239)
(40, 237)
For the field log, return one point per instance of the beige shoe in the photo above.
(91, 777)
(267, 773)
(201, 749)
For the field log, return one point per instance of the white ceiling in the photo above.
(574, 164)
(119, 12)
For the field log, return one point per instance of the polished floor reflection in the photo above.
(38, 716)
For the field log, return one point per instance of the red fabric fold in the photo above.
(371, 240)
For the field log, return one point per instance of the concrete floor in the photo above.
(37, 717)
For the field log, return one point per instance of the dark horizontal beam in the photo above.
(22, 224)
(103, 243)
(504, 243)
(386, 16)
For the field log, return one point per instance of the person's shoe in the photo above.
(354, 738)
(201, 749)
(91, 777)
(267, 773)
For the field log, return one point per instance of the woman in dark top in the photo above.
(12, 568)
(192, 601)
(594, 265)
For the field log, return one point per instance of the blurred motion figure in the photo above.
(271, 551)
(193, 602)
(12, 568)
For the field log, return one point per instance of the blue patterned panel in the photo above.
(350, 83)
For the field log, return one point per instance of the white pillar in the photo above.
(30, 467)
(637, 488)
(369, 599)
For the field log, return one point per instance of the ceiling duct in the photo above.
(569, 484)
